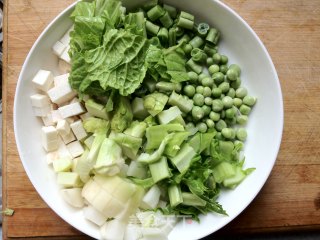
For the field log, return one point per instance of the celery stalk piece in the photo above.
(160, 170)
(130, 145)
(109, 158)
(94, 125)
(190, 199)
(167, 116)
(138, 109)
(151, 198)
(183, 158)
(183, 103)
(122, 115)
(201, 141)
(239, 176)
(97, 109)
(93, 153)
(155, 134)
(173, 146)
(156, 155)
(223, 171)
(175, 195)
(155, 102)
(136, 129)
(137, 170)
(150, 121)
(84, 167)
(62, 164)
(179, 120)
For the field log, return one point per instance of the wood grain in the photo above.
(290, 200)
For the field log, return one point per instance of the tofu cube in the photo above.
(43, 80)
(61, 79)
(58, 48)
(65, 55)
(72, 119)
(68, 138)
(85, 116)
(66, 37)
(56, 116)
(78, 130)
(52, 156)
(74, 100)
(64, 67)
(75, 148)
(70, 110)
(41, 111)
(47, 120)
(50, 140)
(39, 100)
(61, 93)
(63, 127)
(63, 151)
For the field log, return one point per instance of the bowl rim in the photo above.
(277, 143)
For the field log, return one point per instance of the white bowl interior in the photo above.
(239, 43)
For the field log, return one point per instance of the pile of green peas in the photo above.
(219, 100)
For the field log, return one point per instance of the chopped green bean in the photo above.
(171, 10)
(198, 55)
(193, 65)
(163, 35)
(185, 23)
(186, 38)
(213, 36)
(168, 87)
(166, 20)
(172, 37)
(203, 29)
(152, 28)
(209, 49)
(187, 48)
(186, 15)
(179, 31)
(150, 4)
(155, 13)
(196, 42)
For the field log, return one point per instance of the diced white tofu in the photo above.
(75, 148)
(85, 116)
(78, 130)
(72, 119)
(63, 151)
(64, 67)
(66, 37)
(51, 156)
(50, 140)
(41, 111)
(74, 100)
(56, 116)
(61, 79)
(61, 93)
(68, 138)
(65, 55)
(43, 80)
(72, 109)
(58, 48)
(39, 100)
(47, 120)
(88, 142)
(63, 127)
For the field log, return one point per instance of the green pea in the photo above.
(206, 109)
(224, 69)
(236, 84)
(231, 93)
(235, 67)
(227, 102)
(216, 92)
(207, 92)
(210, 123)
(242, 119)
(220, 125)
(219, 136)
(216, 58)
(241, 92)
(217, 105)
(218, 77)
(241, 134)
(223, 114)
(187, 48)
(214, 116)
(209, 61)
(230, 113)
(193, 77)
(231, 121)
(208, 101)
(228, 133)
(213, 69)
(250, 101)
(239, 144)
(198, 99)
(207, 82)
(202, 127)
(237, 102)
(202, 76)
(197, 113)
(225, 86)
(232, 74)
(224, 59)
(189, 90)
(244, 109)
(199, 89)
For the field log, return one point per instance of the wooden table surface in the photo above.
(290, 200)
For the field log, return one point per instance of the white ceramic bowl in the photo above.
(240, 43)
